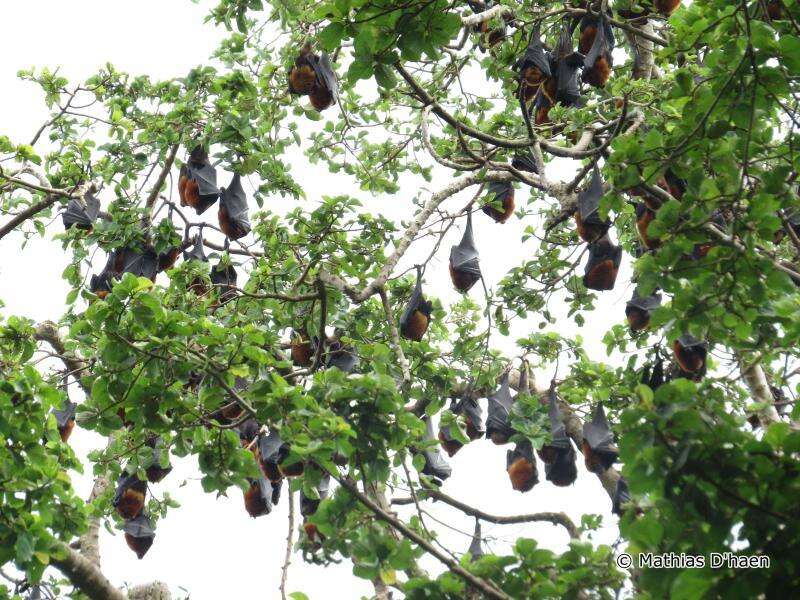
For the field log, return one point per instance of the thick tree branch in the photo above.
(756, 381)
(481, 17)
(85, 576)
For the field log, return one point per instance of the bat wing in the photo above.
(234, 200)
(342, 358)
(276, 491)
(589, 199)
(413, 303)
(597, 433)
(197, 252)
(140, 527)
(265, 489)
(621, 496)
(224, 275)
(77, 213)
(65, 414)
(522, 449)
(472, 410)
(141, 264)
(499, 407)
(567, 86)
(646, 303)
(535, 55)
(498, 189)
(271, 447)
(600, 46)
(475, 549)
(558, 431)
(435, 464)
(689, 341)
(464, 256)
(326, 75)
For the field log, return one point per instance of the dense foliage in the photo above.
(694, 135)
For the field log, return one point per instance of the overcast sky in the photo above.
(210, 548)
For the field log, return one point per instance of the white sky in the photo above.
(210, 548)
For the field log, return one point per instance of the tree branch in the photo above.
(360, 295)
(51, 198)
(84, 575)
(481, 17)
(401, 357)
(162, 177)
(288, 556)
(46, 331)
(579, 150)
(556, 518)
(481, 585)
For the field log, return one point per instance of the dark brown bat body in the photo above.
(254, 503)
(498, 215)
(462, 281)
(563, 475)
(156, 473)
(312, 533)
(666, 7)
(542, 116)
(291, 470)
(597, 462)
(449, 446)
(522, 475)
(229, 228)
(533, 77)
(140, 545)
(599, 73)
(644, 216)
(302, 79)
(191, 193)
(689, 360)
(271, 471)
(66, 430)
(587, 39)
(321, 98)
(498, 438)
(589, 232)
(602, 276)
(545, 101)
(131, 503)
(301, 351)
(774, 9)
(473, 432)
(182, 181)
(417, 325)
(166, 260)
(638, 320)
(547, 454)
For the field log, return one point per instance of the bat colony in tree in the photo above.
(549, 69)
(545, 78)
